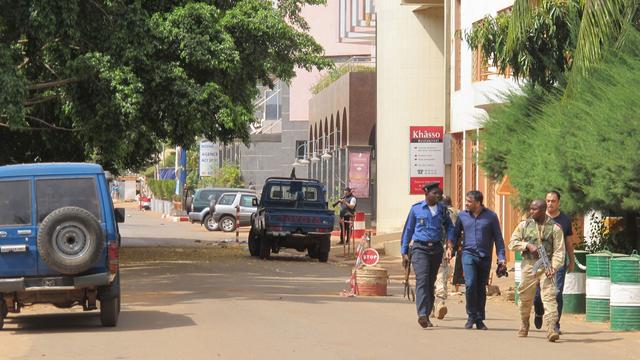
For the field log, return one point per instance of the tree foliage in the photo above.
(109, 80)
(541, 51)
(584, 145)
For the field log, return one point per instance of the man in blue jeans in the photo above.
(553, 210)
(481, 230)
(422, 237)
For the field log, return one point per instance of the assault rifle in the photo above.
(338, 201)
(542, 262)
(409, 292)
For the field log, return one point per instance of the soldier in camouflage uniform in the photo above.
(444, 272)
(538, 230)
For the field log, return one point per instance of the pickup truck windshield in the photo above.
(285, 192)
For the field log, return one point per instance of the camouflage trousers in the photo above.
(442, 281)
(527, 292)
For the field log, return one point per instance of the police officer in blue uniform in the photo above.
(422, 239)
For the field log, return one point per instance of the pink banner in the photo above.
(359, 172)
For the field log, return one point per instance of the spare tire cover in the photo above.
(70, 240)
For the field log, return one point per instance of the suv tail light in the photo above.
(114, 257)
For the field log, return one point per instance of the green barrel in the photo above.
(625, 293)
(518, 275)
(598, 286)
(574, 293)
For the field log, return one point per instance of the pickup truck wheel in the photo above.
(227, 224)
(313, 252)
(323, 256)
(254, 242)
(323, 248)
(209, 223)
(265, 248)
(70, 240)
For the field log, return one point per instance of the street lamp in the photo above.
(325, 155)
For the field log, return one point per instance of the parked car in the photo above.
(199, 205)
(59, 239)
(292, 213)
(225, 210)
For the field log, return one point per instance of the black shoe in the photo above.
(469, 324)
(537, 321)
(424, 322)
(481, 326)
(340, 242)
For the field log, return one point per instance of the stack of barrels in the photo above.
(613, 290)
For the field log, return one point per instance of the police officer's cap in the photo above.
(429, 186)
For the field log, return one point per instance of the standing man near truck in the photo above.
(347, 210)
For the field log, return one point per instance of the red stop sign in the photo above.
(370, 257)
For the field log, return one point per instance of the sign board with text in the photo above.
(370, 257)
(209, 158)
(426, 157)
(359, 161)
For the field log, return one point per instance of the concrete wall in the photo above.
(324, 27)
(352, 97)
(272, 153)
(411, 91)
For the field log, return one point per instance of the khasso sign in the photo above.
(208, 158)
(426, 157)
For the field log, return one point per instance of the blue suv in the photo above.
(59, 239)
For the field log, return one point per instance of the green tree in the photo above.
(584, 144)
(540, 40)
(109, 81)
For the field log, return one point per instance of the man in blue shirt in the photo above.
(422, 245)
(481, 230)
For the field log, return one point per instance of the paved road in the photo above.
(216, 302)
(147, 228)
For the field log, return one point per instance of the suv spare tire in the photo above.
(70, 240)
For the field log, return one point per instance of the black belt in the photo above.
(428, 243)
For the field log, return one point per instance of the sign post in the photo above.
(426, 157)
(208, 158)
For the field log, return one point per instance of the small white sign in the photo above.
(209, 158)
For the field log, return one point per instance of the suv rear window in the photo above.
(284, 192)
(15, 202)
(204, 194)
(227, 199)
(52, 194)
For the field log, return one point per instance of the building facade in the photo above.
(411, 92)
(281, 132)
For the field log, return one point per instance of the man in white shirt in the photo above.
(347, 210)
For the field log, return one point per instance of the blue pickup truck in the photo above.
(59, 239)
(292, 213)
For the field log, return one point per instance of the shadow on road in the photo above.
(130, 320)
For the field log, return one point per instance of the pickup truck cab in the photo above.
(226, 209)
(292, 213)
(59, 239)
